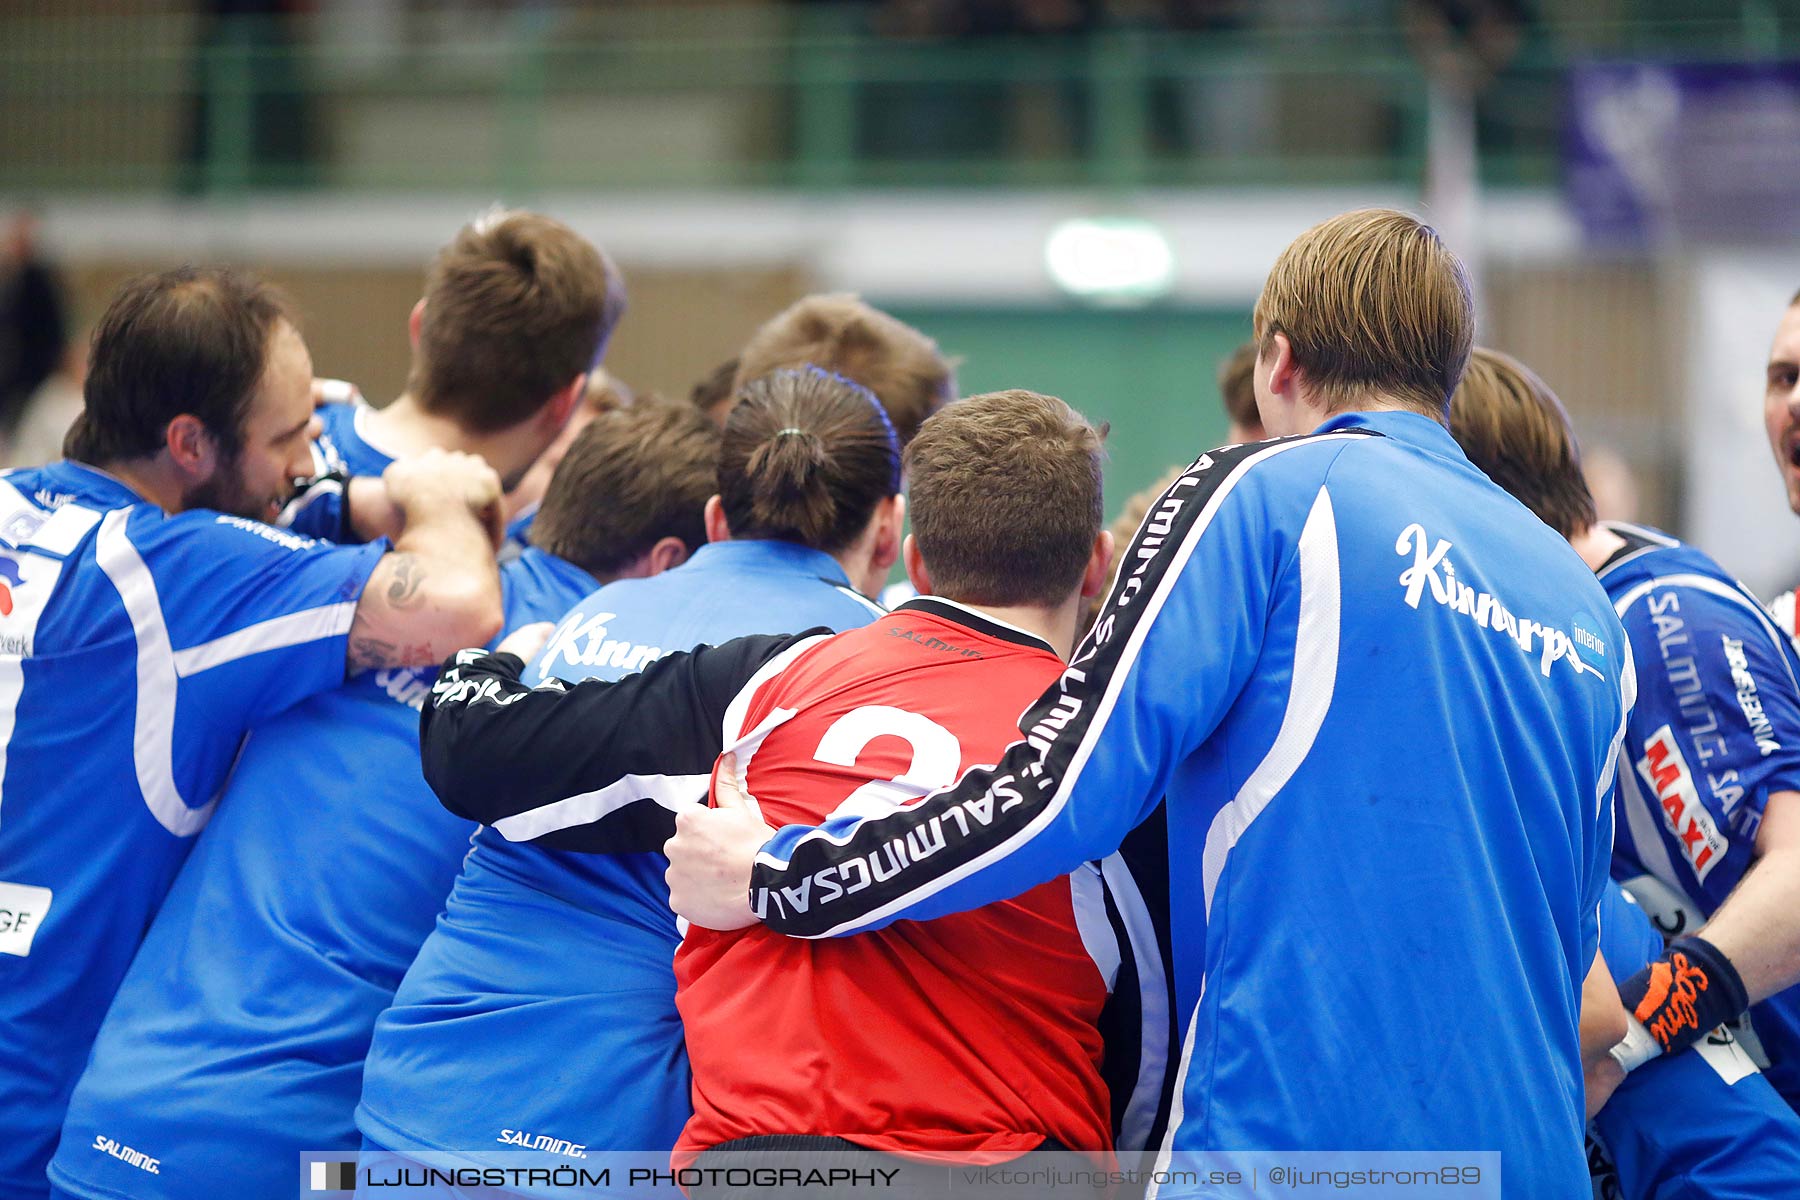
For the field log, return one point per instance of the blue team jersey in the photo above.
(1384, 704)
(540, 1012)
(1703, 1123)
(136, 651)
(1716, 731)
(342, 450)
(237, 1038)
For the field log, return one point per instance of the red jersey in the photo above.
(970, 1037)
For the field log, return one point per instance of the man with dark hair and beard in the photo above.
(149, 619)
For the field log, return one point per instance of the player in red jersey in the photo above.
(971, 1037)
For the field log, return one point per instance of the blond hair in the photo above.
(841, 334)
(1512, 426)
(1371, 302)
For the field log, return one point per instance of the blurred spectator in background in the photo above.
(248, 69)
(37, 436)
(1227, 113)
(33, 328)
(984, 113)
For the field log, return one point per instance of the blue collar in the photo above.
(91, 483)
(768, 554)
(1415, 429)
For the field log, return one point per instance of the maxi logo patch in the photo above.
(1666, 772)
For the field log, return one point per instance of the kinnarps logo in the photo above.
(10, 578)
(333, 1177)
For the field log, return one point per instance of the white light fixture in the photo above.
(1110, 260)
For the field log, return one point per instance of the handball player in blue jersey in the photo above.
(151, 619)
(1709, 776)
(1383, 703)
(1701, 1116)
(568, 1040)
(238, 1035)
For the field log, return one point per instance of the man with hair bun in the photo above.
(475, 1051)
(972, 1038)
(1384, 705)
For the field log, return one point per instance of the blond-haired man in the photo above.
(1384, 704)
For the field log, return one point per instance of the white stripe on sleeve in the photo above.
(276, 633)
(153, 736)
(1312, 683)
(673, 792)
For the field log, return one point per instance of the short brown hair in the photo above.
(805, 457)
(1512, 426)
(1237, 386)
(192, 340)
(633, 477)
(516, 306)
(1372, 301)
(840, 333)
(1005, 495)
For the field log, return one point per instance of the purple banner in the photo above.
(1661, 151)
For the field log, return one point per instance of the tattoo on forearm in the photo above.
(367, 652)
(408, 577)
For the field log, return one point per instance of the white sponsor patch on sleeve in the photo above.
(1723, 1054)
(22, 909)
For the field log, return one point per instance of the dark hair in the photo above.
(805, 457)
(516, 306)
(1237, 386)
(633, 477)
(1005, 498)
(192, 340)
(1512, 427)
(840, 333)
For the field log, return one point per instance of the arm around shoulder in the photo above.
(439, 588)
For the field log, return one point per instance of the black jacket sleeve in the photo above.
(596, 766)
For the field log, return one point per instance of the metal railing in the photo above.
(766, 96)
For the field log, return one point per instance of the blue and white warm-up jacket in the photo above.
(136, 651)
